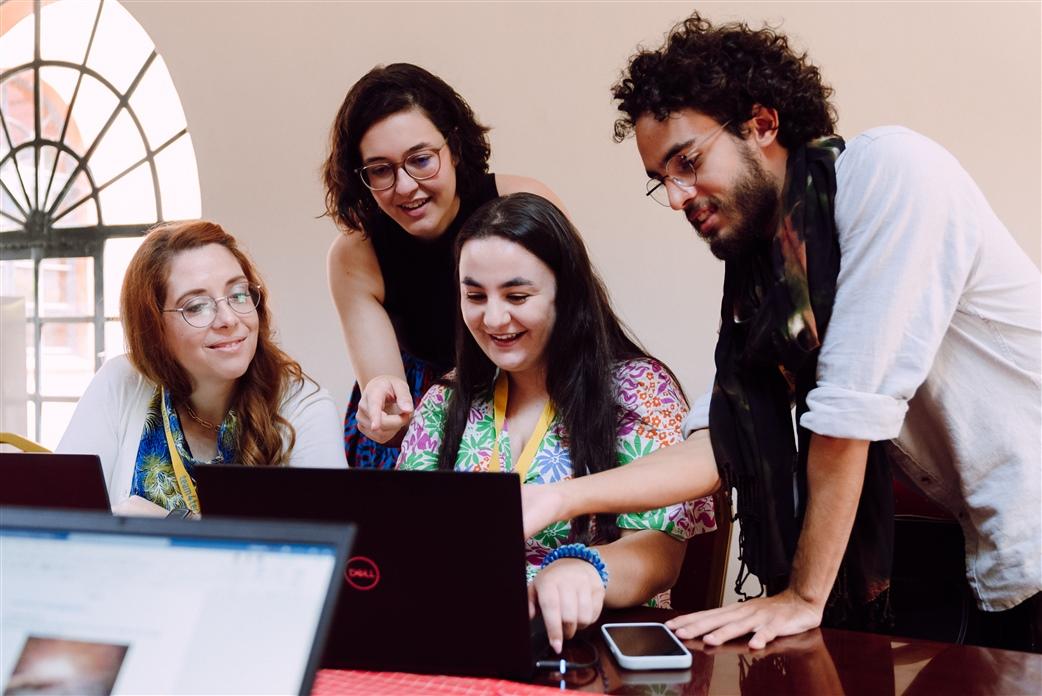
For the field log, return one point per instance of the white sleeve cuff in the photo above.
(837, 412)
(698, 417)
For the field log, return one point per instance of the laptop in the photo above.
(436, 580)
(53, 480)
(97, 604)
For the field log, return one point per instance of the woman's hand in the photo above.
(385, 408)
(136, 506)
(570, 595)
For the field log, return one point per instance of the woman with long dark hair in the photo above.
(407, 165)
(548, 384)
(202, 381)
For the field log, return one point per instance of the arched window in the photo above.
(94, 149)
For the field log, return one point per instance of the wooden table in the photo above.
(824, 661)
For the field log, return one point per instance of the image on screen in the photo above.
(56, 666)
(101, 613)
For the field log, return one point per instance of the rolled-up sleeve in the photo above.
(698, 417)
(907, 249)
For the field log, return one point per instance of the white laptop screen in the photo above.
(98, 613)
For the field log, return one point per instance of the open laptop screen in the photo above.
(110, 612)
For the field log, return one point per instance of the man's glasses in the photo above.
(681, 169)
(420, 165)
(201, 312)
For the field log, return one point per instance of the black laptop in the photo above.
(97, 604)
(41, 479)
(436, 582)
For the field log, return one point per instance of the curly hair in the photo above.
(723, 72)
(266, 438)
(383, 92)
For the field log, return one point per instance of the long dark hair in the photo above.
(382, 92)
(586, 342)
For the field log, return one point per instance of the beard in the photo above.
(752, 210)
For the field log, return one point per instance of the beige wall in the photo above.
(261, 82)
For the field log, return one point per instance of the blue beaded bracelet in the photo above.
(582, 552)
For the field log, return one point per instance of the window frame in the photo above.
(36, 237)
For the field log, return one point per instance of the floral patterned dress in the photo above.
(652, 409)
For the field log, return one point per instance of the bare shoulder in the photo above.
(351, 264)
(352, 252)
(511, 183)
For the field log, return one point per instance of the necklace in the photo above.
(205, 423)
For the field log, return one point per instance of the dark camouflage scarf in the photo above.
(776, 309)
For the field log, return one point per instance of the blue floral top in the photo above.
(153, 477)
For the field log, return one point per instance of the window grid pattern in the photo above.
(32, 222)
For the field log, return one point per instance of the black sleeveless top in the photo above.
(420, 283)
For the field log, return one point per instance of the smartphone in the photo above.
(645, 646)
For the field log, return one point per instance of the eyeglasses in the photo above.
(681, 169)
(420, 165)
(201, 312)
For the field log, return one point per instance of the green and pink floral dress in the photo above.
(652, 409)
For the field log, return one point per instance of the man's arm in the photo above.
(835, 475)
(667, 476)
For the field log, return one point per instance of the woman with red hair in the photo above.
(202, 381)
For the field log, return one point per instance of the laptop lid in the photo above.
(98, 604)
(53, 480)
(436, 580)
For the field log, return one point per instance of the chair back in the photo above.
(21, 443)
(700, 584)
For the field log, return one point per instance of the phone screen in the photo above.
(644, 640)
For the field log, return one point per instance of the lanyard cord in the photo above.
(181, 477)
(499, 409)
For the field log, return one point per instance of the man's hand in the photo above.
(541, 506)
(767, 618)
(385, 408)
(835, 474)
(570, 595)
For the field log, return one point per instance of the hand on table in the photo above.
(540, 507)
(570, 595)
(385, 408)
(136, 506)
(809, 642)
(767, 618)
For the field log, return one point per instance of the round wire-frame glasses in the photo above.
(420, 165)
(201, 311)
(680, 169)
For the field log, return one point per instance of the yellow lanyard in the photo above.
(499, 409)
(181, 477)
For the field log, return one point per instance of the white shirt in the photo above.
(935, 345)
(110, 417)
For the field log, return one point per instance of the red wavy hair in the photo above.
(259, 392)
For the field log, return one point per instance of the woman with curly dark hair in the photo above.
(407, 165)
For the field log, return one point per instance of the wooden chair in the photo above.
(21, 443)
(701, 581)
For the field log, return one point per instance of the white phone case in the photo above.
(647, 661)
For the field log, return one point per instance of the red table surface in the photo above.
(332, 682)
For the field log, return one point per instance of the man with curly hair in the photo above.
(869, 285)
